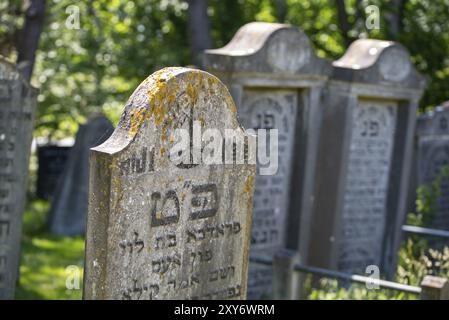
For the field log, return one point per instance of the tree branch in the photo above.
(199, 29)
(29, 37)
(343, 22)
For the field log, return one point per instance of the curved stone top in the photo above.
(268, 48)
(435, 122)
(249, 39)
(378, 61)
(168, 99)
(10, 72)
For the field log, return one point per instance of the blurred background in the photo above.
(87, 57)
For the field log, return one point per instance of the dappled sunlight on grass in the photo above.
(45, 257)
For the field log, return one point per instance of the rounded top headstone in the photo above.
(8, 71)
(160, 195)
(165, 100)
(371, 60)
(434, 122)
(265, 47)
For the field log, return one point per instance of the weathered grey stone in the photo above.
(69, 203)
(17, 107)
(287, 282)
(161, 230)
(434, 288)
(365, 158)
(51, 162)
(432, 155)
(276, 80)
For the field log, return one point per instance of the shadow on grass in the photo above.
(45, 257)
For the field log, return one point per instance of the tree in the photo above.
(29, 37)
(281, 8)
(199, 29)
(395, 18)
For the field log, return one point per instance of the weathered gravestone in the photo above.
(432, 156)
(17, 106)
(276, 80)
(159, 228)
(69, 203)
(365, 158)
(51, 163)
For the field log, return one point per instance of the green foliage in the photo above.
(416, 259)
(318, 19)
(45, 257)
(426, 202)
(426, 35)
(95, 68)
(331, 289)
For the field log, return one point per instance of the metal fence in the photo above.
(288, 285)
(426, 232)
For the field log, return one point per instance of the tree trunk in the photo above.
(281, 10)
(343, 22)
(394, 18)
(29, 37)
(199, 29)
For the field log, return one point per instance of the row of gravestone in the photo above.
(431, 168)
(345, 146)
(160, 229)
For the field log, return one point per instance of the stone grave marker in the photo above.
(365, 158)
(69, 203)
(51, 163)
(432, 155)
(17, 107)
(170, 222)
(276, 81)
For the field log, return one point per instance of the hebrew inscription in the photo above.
(274, 109)
(170, 230)
(364, 211)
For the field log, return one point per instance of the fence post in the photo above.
(434, 288)
(286, 281)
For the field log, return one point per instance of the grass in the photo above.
(46, 262)
(46, 259)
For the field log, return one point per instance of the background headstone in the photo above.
(276, 80)
(365, 158)
(432, 155)
(17, 107)
(69, 203)
(158, 229)
(51, 163)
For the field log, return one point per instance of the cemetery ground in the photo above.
(45, 258)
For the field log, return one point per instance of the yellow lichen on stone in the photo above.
(163, 89)
(248, 184)
(231, 104)
(195, 80)
(137, 117)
